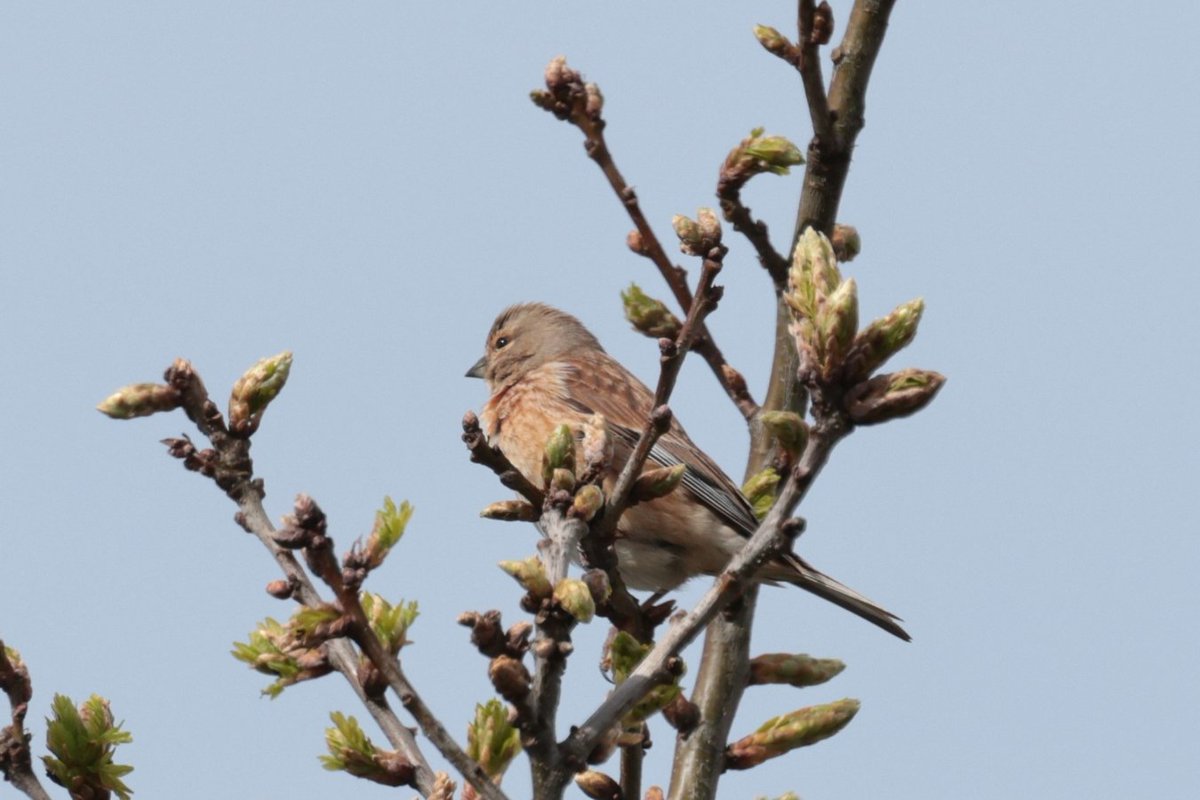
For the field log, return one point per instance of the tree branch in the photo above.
(230, 465)
(726, 650)
(569, 99)
(16, 761)
(768, 539)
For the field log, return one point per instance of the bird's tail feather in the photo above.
(820, 584)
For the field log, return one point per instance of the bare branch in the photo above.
(815, 25)
(16, 761)
(232, 469)
(493, 459)
(569, 99)
(768, 539)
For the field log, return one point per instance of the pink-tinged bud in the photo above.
(597, 444)
(598, 786)
(655, 483)
(140, 400)
(846, 242)
(510, 511)
(896, 394)
(710, 228)
(594, 101)
(443, 787)
(792, 669)
(510, 678)
(822, 24)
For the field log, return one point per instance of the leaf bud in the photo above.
(139, 400)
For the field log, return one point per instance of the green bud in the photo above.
(576, 599)
(774, 42)
(648, 315)
(792, 669)
(531, 574)
(625, 653)
(690, 239)
(588, 501)
(896, 394)
(772, 153)
(560, 452)
(655, 483)
(881, 340)
(510, 511)
(139, 400)
(813, 275)
(838, 321)
(784, 733)
(492, 741)
(760, 491)
(257, 387)
(791, 432)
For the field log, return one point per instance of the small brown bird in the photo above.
(544, 369)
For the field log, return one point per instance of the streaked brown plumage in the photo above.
(544, 369)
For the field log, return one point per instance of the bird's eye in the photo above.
(501, 342)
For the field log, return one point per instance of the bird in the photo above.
(543, 369)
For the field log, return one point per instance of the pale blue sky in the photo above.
(367, 184)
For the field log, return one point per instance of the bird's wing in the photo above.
(597, 384)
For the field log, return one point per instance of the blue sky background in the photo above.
(367, 185)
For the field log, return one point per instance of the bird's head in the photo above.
(526, 336)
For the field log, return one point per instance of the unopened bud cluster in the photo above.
(834, 354)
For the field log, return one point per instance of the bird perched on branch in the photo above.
(545, 369)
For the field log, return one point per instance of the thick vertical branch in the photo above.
(726, 649)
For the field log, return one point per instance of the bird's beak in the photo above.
(476, 371)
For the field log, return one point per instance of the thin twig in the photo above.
(695, 774)
(491, 457)
(570, 99)
(728, 586)
(16, 761)
(809, 67)
(234, 473)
